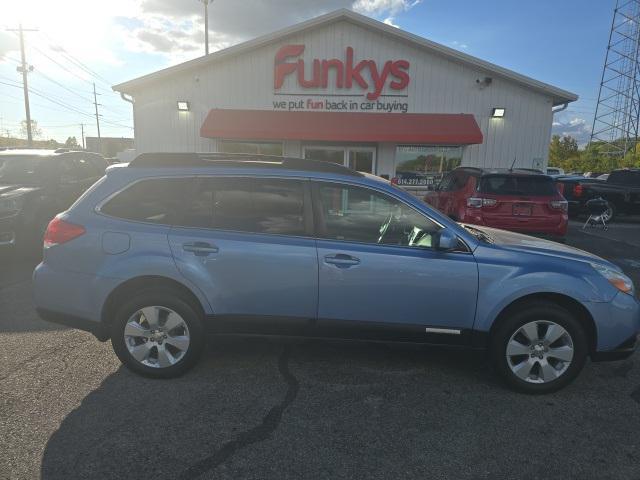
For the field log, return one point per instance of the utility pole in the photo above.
(82, 129)
(206, 25)
(95, 103)
(25, 68)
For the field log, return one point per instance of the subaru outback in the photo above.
(171, 246)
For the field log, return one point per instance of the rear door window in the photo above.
(531, 186)
(254, 205)
(152, 201)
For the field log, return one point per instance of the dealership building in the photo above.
(348, 89)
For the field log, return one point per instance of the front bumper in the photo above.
(622, 351)
(617, 326)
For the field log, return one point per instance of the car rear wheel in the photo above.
(610, 213)
(158, 334)
(540, 348)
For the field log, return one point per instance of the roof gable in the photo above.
(558, 95)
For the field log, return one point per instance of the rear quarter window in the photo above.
(151, 201)
(533, 186)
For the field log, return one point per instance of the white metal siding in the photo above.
(438, 85)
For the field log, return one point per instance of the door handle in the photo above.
(199, 249)
(341, 260)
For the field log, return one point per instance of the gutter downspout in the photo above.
(129, 99)
(123, 96)
(563, 107)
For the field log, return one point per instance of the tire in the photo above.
(538, 359)
(611, 212)
(166, 350)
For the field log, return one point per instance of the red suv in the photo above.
(523, 201)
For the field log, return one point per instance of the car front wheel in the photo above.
(158, 334)
(540, 348)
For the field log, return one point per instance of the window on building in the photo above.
(359, 214)
(265, 148)
(273, 206)
(152, 201)
(424, 164)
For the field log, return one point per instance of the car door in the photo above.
(634, 192)
(378, 270)
(248, 244)
(69, 184)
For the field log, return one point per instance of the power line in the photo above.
(63, 86)
(60, 49)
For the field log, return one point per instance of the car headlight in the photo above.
(10, 204)
(615, 278)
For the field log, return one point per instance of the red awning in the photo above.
(422, 128)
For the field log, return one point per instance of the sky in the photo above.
(79, 42)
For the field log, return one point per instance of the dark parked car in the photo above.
(37, 184)
(572, 189)
(621, 190)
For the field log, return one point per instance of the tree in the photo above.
(36, 131)
(554, 152)
(71, 142)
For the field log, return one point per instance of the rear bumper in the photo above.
(98, 329)
(553, 227)
(73, 295)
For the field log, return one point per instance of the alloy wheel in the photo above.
(157, 336)
(540, 351)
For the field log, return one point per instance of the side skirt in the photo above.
(344, 329)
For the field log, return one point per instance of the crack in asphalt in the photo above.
(256, 434)
(26, 363)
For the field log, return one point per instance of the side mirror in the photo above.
(445, 240)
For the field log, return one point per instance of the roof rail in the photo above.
(179, 159)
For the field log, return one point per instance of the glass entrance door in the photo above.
(362, 159)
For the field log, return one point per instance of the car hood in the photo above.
(6, 190)
(524, 243)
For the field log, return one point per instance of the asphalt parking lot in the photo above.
(282, 408)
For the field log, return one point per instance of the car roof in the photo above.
(37, 152)
(626, 170)
(237, 161)
(481, 172)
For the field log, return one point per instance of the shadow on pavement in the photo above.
(133, 427)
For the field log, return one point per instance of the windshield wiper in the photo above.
(479, 234)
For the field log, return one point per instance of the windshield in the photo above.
(22, 170)
(530, 185)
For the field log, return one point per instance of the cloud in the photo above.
(375, 7)
(176, 28)
(576, 127)
(389, 21)
(459, 45)
(8, 43)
